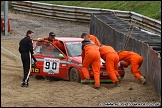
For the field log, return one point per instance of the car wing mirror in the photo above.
(61, 56)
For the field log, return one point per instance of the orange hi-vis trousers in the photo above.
(136, 62)
(110, 56)
(91, 58)
(112, 60)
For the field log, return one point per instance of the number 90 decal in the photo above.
(51, 65)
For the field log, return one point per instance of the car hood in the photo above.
(77, 59)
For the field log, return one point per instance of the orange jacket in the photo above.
(127, 56)
(94, 39)
(55, 41)
(106, 49)
(58, 44)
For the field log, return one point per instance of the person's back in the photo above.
(127, 55)
(106, 49)
(94, 39)
(24, 44)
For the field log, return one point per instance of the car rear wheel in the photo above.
(74, 75)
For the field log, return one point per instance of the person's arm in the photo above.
(83, 55)
(97, 42)
(31, 50)
(30, 44)
(124, 64)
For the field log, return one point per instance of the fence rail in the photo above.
(82, 14)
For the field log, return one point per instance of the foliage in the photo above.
(150, 9)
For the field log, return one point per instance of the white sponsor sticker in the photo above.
(104, 73)
(51, 65)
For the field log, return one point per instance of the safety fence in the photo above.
(113, 31)
(82, 14)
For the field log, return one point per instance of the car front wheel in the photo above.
(74, 75)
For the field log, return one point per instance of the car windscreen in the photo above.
(74, 49)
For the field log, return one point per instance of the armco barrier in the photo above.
(109, 33)
(82, 14)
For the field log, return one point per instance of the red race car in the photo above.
(66, 65)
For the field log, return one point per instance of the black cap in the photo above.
(86, 41)
(83, 35)
(51, 34)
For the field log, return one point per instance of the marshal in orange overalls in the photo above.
(92, 38)
(134, 59)
(91, 57)
(110, 56)
(54, 41)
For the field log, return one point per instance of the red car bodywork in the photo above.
(67, 67)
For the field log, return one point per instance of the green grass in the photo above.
(150, 9)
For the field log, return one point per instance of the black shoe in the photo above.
(31, 76)
(85, 81)
(142, 80)
(117, 84)
(119, 78)
(23, 84)
(97, 88)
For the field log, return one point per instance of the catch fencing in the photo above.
(113, 31)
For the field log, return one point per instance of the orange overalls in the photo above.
(56, 42)
(131, 58)
(94, 39)
(91, 56)
(110, 56)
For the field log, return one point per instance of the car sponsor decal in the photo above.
(51, 66)
(104, 73)
(35, 70)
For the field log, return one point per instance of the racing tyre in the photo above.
(74, 75)
(38, 77)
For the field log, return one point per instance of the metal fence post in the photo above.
(6, 17)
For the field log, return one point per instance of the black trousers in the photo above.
(26, 61)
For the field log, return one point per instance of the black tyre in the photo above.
(74, 75)
(38, 77)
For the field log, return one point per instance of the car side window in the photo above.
(38, 49)
(50, 50)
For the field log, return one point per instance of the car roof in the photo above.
(69, 39)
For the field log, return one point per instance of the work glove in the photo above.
(123, 64)
(41, 40)
(34, 65)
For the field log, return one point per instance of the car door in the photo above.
(51, 60)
